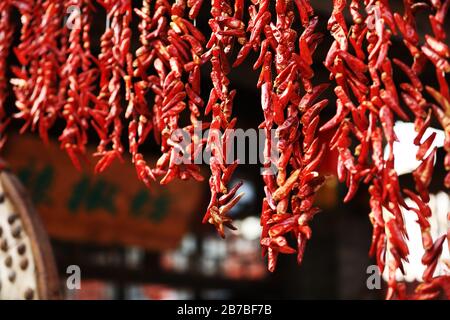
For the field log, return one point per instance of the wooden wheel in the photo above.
(27, 266)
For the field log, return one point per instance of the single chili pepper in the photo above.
(395, 236)
(434, 252)
(442, 11)
(415, 81)
(421, 130)
(283, 227)
(437, 60)
(408, 32)
(414, 93)
(425, 146)
(313, 111)
(438, 46)
(354, 63)
(275, 245)
(309, 98)
(310, 130)
(423, 175)
(282, 191)
(443, 102)
(340, 115)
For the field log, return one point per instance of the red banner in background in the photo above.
(109, 208)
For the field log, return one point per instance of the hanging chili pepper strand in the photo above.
(80, 75)
(391, 198)
(386, 195)
(226, 24)
(412, 96)
(6, 35)
(48, 103)
(184, 49)
(154, 27)
(412, 93)
(152, 52)
(349, 73)
(35, 84)
(23, 76)
(174, 45)
(296, 181)
(312, 147)
(259, 23)
(138, 109)
(413, 99)
(115, 43)
(438, 53)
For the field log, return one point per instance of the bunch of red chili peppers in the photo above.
(368, 102)
(58, 76)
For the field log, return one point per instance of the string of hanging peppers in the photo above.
(58, 76)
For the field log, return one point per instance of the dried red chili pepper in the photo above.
(226, 25)
(290, 189)
(115, 43)
(433, 288)
(80, 75)
(36, 82)
(6, 38)
(174, 48)
(442, 114)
